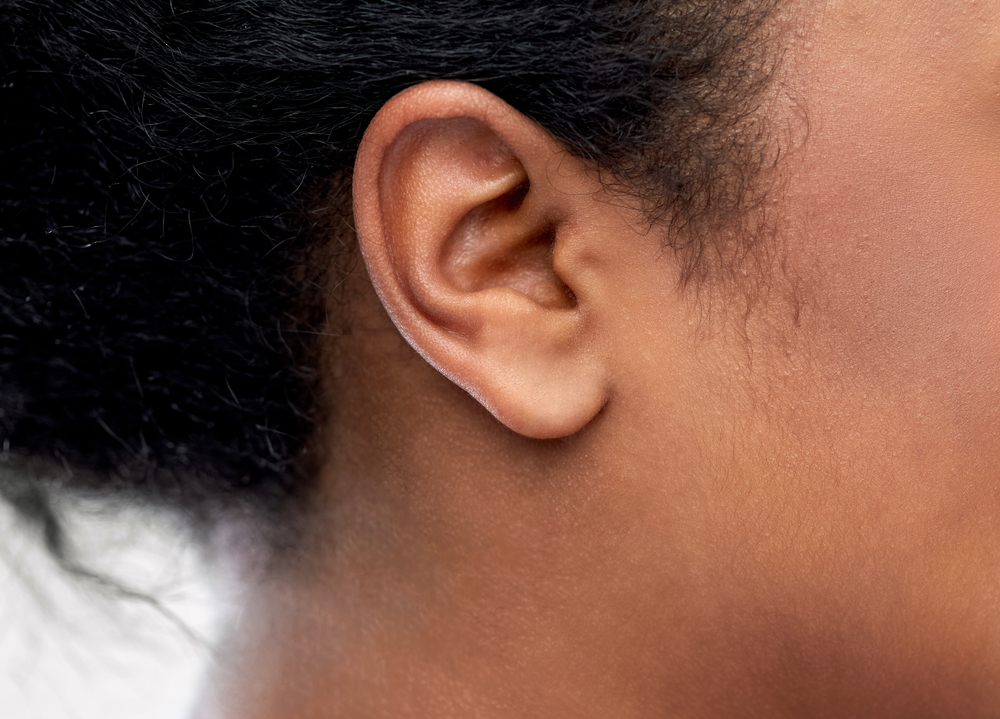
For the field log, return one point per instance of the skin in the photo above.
(563, 484)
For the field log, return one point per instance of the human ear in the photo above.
(470, 220)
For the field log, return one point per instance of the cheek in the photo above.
(907, 279)
(892, 222)
(898, 248)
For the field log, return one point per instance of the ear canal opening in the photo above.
(555, 293)
(512, 200)
(501, 243)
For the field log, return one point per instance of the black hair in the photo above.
(159, 163)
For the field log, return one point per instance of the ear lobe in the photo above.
(470, 246)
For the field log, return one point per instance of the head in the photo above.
(207, 131)
(644, 350)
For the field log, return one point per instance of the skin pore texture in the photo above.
(564, 484)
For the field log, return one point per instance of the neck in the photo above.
(454, 568)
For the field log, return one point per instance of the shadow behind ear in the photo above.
(469, 239)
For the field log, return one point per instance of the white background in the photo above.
(71, 650)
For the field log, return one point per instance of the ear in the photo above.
(470, 218)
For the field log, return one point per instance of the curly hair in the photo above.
(160, 308)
